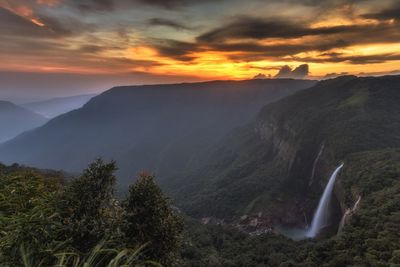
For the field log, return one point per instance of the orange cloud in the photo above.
(337, 43)
(21, 10)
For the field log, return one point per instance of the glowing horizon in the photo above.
(200, 41)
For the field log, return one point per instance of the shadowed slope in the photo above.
(161, 128)
(15, 120)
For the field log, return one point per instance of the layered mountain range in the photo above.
(165, 129)
(15, 119)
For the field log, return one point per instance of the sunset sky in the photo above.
(63, 47)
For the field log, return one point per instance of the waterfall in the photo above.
(321, 215)
(315, 163)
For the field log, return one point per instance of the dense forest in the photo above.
(49, 221)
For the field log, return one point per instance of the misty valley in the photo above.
(261, 172)
(211, 133)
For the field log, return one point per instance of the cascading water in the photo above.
(321, 215)
(315, 164)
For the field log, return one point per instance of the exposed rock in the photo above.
(347, 215)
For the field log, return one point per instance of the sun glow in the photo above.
(105, 48)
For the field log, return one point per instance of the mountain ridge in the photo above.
(153, 127)
(15, 120)
(53, 107)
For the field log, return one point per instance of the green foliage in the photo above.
(208, 245)
(27, 212)
(370, 236)
(100, 255)
(148, 218)
(85, 203)
(46, 222)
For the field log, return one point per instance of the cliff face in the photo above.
(279, 166)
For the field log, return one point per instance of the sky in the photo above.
(67, 47)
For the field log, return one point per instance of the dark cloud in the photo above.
(91, 49)
(94, 5)
(165, 3)
(334, 75)
(243, 36)
(386, 14)
(261, 76)
(301, 71)
(109, 5)
(256, 28)
(168, 23)
(371, 59)
(247, 50)
(255, 51)
(298, 73)
(253, 47)
(319, 3)
(358, 59)
(173, 4)
(95, 49)
(325, 43)
(175, 49)
(284, 72)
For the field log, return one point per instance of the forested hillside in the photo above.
(279, 165)
(162, 128)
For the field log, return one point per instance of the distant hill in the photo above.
(57, 106)
(278, 166)
(14, 120)
(165, 129)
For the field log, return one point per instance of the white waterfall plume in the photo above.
(321, 216)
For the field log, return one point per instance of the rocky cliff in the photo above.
(279, 166)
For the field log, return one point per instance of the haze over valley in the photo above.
(199, 133)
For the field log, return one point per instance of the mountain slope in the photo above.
(15, 120)
(161, 128)
(57, 106)
(276, 168)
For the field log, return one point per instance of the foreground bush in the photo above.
(47, 222)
